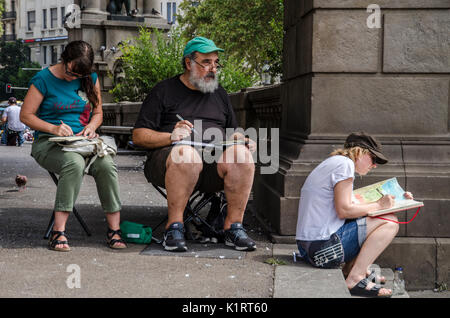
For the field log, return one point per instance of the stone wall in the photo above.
(393, 82)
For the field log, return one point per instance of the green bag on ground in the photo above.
(136, 233)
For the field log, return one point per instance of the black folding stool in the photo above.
(192, 211)
(52, 219)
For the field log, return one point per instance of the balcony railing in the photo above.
(9, 15)
(8, 37)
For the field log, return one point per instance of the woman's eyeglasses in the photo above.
(73, 74)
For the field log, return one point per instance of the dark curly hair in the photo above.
(81, 54)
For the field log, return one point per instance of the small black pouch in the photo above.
(327, 253)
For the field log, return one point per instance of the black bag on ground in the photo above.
(215, 218)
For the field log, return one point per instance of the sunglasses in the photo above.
(73, 74)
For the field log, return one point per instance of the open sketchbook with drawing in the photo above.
(374, 192)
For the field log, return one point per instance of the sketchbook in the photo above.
(67, 139)
(217, 145)
(374, 192)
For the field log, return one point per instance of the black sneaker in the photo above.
(174, 238)
(237, 236)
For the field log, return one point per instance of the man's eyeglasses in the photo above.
(73, 74)
(208, 64)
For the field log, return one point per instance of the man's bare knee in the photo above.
(185, 159)
(237, 154)
(240, 172)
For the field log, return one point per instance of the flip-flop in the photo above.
(372, 277)
(360, 290)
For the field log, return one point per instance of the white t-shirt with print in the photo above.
(317, 217)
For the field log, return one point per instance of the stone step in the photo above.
(301, 280)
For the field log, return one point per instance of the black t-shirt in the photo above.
(171, 97)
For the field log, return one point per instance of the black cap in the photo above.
(361, 139)
(12, 100)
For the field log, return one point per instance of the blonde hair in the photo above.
(352, 153)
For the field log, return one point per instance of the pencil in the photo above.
(193, 129)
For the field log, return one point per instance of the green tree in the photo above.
(251, 30)
(155, 56)
(152, 58)
(14, 57)
(2, 8)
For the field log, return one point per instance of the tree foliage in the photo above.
(152, 58)
(2, 8)
(14, 57)
(251, 30)
(155, 56)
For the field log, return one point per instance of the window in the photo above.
(53, 18)
(44, 54)
(31, 15)
(63, 16)
(44, 18)
(54, 53)
(174, 12)
(171, 12)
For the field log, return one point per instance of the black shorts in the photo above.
(155, 171)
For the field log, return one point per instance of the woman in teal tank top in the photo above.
(64, 100)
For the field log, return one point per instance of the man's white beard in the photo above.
(203, 85)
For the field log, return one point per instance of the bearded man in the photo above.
(166, 117)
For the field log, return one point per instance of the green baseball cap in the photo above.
(202, 45)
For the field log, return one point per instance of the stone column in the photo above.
(340, 76)
(140, 6)
(94, 8)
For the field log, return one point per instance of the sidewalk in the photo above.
(28, 269)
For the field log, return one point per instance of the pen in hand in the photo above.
(193, 129)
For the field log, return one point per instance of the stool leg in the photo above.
(50, 226)
(78, 216)
(83, 224)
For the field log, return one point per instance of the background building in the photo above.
(41, 25)
(38, 23)
(9, 20)
(169, 9)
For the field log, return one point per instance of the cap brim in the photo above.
(209, 49)
(379, 157)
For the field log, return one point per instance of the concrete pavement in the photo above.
(28, 269)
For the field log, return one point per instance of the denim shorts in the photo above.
(352, 235)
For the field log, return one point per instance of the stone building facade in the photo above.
(40, 24)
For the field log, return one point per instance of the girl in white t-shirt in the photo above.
(331, 229)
